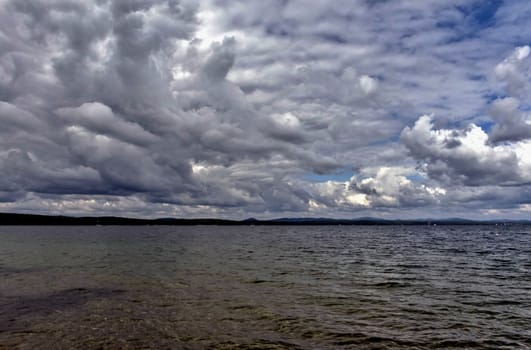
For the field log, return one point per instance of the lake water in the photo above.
(280, 287)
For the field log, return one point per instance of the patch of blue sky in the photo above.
(455, 123)
(416, 178)
(481, 13)
(493, 96)
(477, 15)
(342, 175)
(486, 126)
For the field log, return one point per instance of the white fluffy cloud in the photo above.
(382, 187)
(464, 156)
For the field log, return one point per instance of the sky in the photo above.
(277, 108)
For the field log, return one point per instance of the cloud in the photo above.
(390, 186)
(464, 156)
(100, 119)
(285, 127)
(514, 72)
(471, 156)
(381, 187)
(245, 108)
(511, 124)
(116, 98)
(14, 118)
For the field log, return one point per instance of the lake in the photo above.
(265, 287)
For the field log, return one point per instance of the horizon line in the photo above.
(20, 219)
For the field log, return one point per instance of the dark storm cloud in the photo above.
(89, 53)
(95, 82)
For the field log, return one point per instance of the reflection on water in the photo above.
(207, 287)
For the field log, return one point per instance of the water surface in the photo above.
(259, 287)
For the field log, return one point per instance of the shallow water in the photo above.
(279, 287)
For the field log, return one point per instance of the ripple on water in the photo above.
(265, 287)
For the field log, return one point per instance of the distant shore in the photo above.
(31, 219)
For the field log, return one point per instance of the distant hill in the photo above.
(31, 219)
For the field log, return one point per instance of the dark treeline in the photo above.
(30, 219)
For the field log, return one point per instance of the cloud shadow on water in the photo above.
(16, 312)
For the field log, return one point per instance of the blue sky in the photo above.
(273, 108)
